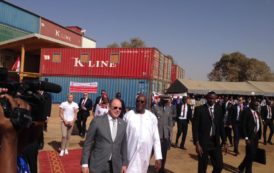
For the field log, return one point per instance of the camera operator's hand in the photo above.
(8, 151)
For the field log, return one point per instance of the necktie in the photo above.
(269, 112)
(255, 116)
(238, 112)
(114, 129)
(212, 130)
(84, 102)
(184, 110)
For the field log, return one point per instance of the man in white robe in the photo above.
(142, 136)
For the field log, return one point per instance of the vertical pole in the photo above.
(22, 62)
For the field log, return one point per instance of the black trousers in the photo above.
(236, 135)
(228, 134)
(215, 157)
(268, 123)
(164, 148)
(250, 154)
(182, 126)
(81, 122)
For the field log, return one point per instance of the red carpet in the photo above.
(51, 162)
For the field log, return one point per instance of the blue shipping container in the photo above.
(128, 88)
(18, 18)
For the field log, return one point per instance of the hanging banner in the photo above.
(16, 65)
(80, 87)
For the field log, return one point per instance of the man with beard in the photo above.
(142, 137)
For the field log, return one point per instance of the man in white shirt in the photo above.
(67, 112)
(142, 137)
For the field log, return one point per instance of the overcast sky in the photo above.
(195, 32)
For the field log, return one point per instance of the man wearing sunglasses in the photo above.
(105, 147)
(142, 136)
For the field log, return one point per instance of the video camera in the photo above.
(29, 92)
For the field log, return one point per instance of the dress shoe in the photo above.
(182, 147)
(173, 145)
(269, 142)
(241, 170)
(264, 142)
(41, 146)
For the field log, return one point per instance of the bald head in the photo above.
(115, 108)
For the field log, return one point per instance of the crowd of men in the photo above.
(119, 141)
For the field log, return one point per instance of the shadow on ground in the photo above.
(55, 145)
(226, 166)
(151, 169)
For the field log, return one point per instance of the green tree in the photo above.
(113, 45)
(237, 67)
(133, 43)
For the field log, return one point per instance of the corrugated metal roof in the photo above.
(237, 88)
(266, 87)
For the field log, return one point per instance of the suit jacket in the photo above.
(264, 112)
(201, 125)
(249, 124)
(234, 113)
(88, 105)
(164, 117)
(99, 145)
(189, 111)
(47, 103)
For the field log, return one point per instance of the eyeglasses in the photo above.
(114, 108)
(140, 101)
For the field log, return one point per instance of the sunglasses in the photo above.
(140, 101)
(114, 108)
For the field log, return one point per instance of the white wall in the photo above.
(88, 43)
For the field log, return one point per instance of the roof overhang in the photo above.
(34, 42)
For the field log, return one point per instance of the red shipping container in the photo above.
(176, 72)
(99, 62)
(58, 32)
(173, 72)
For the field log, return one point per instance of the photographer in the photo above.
(9, 136)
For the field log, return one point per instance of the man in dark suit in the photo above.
(252, 133)
(105, 147)
(184, 115)
(163, 112)
(236, 115)
(85, 105)
(267, 113)
(99, 99)
(47, 102)
(207, 128)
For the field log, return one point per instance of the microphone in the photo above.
(44, 86)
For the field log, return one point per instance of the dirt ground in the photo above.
(178, 161)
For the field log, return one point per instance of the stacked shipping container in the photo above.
(177, 72)
(127, 70)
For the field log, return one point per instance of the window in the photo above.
(56, 57)
(84, 57)
(115, 58)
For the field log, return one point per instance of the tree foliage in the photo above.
(113, 45)
(237, 67)
(133, 43)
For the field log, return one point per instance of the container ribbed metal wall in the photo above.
(128, 88)
(18, 18)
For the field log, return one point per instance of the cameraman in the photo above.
(9, 136)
